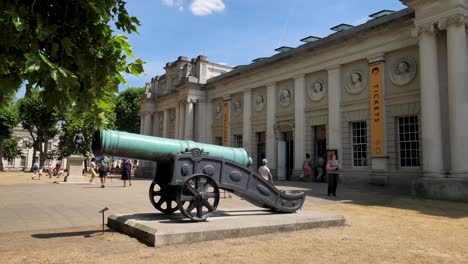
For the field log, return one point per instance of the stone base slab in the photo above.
(453, 189)
(157, 229)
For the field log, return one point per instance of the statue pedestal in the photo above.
(75, 169)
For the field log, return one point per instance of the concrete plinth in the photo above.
(75, 170)
(157, 229)
(454, 189)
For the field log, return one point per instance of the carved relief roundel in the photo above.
(285, 97)
(356, 81)
(259, 103)
(218, 110)
(237, 107)
(316, 90)
(403, 71)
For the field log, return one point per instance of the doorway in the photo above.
(286, 156)
(319, 146)
(261, 147)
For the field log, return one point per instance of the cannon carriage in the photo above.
(190, 175)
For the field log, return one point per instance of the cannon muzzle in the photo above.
(136, 146)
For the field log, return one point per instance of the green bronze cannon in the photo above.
(189, 174)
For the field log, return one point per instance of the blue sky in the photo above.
(235, 32)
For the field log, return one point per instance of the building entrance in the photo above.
(286, 156)
(261, 147)
(319, 147)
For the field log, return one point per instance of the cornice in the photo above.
(417, 3)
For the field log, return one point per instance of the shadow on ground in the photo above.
(371, 195)
(89, 233)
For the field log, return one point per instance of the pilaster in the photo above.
(299, 123)
(247, 124)
(270, 131)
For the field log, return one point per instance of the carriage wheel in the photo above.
(163, 197)
(198, 198)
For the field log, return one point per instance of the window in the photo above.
(237, 141)
(359, 134)
(218, 141)
(23, 161)
(408, 133)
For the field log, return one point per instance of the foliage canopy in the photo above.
(68, 49)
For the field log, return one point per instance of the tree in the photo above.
(40, 121)
(11, 149)
(8, 120)
(68, 49)
(86, 121)
(127, 110)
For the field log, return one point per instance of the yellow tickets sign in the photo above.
(376, 111)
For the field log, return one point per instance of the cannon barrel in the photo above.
(136, 146)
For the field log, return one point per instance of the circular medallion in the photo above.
(403, 71)
(316, 90)
(285, 97)
(218, 111)
(259, 103)
(356, 81)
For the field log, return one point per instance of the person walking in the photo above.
(104, 167)
(36, 170)
(264, 171)
(333, 171)
(92, 169)
(307, 168)
(126, 172)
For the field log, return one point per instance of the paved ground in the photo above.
(382, 227)
(47, 206)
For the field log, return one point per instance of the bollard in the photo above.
(102, 211)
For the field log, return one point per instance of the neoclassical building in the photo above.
(390, 95)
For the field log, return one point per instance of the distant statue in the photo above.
(79, 141)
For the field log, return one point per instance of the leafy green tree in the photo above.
(127, 110)
(85, 122)
(68, 49)
(8, 120)
(11, 149)
(40, 121)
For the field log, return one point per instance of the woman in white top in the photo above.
(264, 171)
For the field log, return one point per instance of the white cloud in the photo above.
(206, 7)
(174, 3)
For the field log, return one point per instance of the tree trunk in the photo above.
(33, 157)
(46, 146)
(2, 141)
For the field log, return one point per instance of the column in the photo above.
(457, 67)
(166, 123)
(189, 115)
(182, 120)
(148, 123)
(246, 120)
(156, 124)
(142, 123)
(176, 121)
(209, 121)
(431, 127)
(299, 122)
(270, 131)
(334, 115)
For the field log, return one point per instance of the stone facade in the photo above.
(318, 96)
(26, 159)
